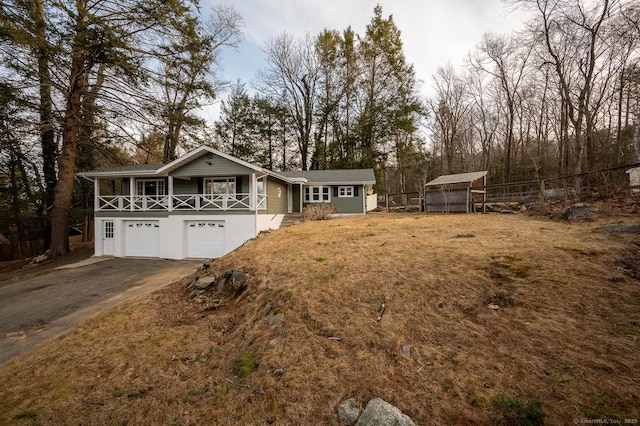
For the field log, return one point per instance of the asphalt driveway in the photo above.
(38, 308)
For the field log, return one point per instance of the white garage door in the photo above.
(142, 238)
(205, 239)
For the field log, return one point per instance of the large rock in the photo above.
(233, 281)
(380, 413)
(579, 211)
(348, 412)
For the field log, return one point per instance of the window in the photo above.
(345, 191)
(150, 187)
(218, 186)
(316, 194)
(108, 229)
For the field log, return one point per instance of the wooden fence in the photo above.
(528, 192)
(15, 251)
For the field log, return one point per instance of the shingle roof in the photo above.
(457, 178)
(130, 168)
(334, 176)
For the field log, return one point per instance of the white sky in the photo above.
(434, 32)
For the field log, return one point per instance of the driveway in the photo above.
(37, 308)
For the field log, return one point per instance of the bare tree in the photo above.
(292, 75)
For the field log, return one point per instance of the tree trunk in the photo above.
(15, 201)
(63, 192)
(636, 138)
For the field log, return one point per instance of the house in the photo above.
(460, 192)
(206, 204)
(349, 191)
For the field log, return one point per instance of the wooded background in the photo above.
(93, 84)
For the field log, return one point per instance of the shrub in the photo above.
(318, 212)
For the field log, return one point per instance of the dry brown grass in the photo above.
(566, 332)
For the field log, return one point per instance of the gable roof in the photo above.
(457, 178)
(334, 177)
(165, 169)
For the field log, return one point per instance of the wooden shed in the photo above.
(463, 192)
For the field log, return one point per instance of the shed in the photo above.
(461, 192)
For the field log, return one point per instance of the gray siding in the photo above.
(276, 205)
(349, 205)
(185, 187)
(345, 205)
(219, 167)
(136, 214)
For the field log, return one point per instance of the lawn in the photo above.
(486, 318)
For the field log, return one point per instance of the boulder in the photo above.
(380, 413)
(579, 211)
(348, 412)
(232, 281)
(204, 282)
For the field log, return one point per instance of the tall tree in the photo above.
(292, 75)
(186, 75)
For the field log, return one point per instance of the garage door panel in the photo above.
(206, 238)
(142, 238)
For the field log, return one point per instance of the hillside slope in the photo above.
(478, 309)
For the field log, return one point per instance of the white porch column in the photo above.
(170, 193)
(132, 188)
(253, 191)
(96, 194)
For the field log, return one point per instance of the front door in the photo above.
(108, 247)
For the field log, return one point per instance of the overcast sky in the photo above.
(434, 32)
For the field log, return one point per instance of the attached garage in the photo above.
(206, 238)
(142, 238)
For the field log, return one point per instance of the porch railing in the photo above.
(195, 202)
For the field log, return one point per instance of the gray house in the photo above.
(207, 203)
(350, 191)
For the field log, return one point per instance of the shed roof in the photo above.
(457, 178)
(327, 177)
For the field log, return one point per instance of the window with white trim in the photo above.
(317, 194)
(345, 191)
(218, 186)
(150, 187)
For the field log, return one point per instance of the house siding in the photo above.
(172, 232)
(185, 187)
(345, 205)
(219, 167)
(275, 204)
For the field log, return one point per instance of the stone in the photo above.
(625, 228)
(579, 211)
(380, 413)
(232, 281)
(348, 412)
(275, 319)
(204, 282)
(278, 372)
(406, 350)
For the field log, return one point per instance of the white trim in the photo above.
(308, 190)
(346, 191)
(196, 153)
